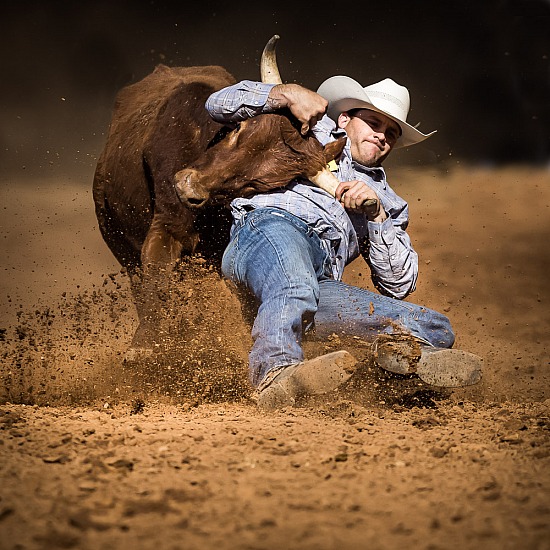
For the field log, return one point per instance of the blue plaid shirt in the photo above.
(385, 246)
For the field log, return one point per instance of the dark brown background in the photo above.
(479, 72)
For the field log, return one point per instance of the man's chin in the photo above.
(372, 157)
(373, 161)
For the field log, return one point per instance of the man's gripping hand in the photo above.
(359, 197)
(307, 106)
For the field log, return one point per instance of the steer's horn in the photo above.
(327, 181)
(268, 66)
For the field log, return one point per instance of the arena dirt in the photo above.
(170, 451)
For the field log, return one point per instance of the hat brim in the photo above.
(344, 93)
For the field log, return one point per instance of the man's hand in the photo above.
(359, 197)
(307, 106)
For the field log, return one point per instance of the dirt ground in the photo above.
(172, 453)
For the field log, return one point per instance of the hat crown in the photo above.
(390, 97)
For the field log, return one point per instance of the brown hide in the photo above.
(159, 125)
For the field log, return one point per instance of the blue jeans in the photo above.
(281, 270)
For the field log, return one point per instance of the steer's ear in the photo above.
(293, 138)
(334, 149)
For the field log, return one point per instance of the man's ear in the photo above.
(343, 119)
(334, 149)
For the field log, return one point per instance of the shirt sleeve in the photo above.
(385, 246)
(391, 257)
(324, 129)
(239, 101)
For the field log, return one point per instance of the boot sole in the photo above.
(450, 368)
(313, 377)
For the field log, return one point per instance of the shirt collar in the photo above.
(376, 174)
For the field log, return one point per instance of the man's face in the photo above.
(372, 135)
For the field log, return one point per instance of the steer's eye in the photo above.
(237, 128)
(220, 135)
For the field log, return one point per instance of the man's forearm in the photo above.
(239, 101)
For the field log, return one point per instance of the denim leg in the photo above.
(363, 313)
(279, 260)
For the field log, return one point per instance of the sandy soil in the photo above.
(172, 453)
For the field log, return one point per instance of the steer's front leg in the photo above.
(159, 254)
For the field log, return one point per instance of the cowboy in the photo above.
(289, 248)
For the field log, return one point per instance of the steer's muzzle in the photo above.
(190, 193)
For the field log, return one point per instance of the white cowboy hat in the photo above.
(386, 97)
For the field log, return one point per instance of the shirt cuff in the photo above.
(382, 233)
(259, 92)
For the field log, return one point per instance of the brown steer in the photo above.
(168, 171)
